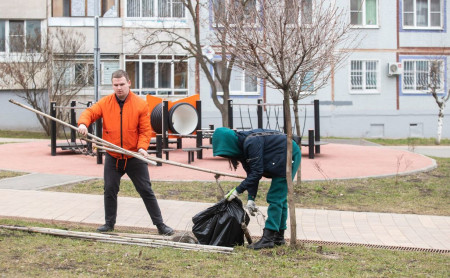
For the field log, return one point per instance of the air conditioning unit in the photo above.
(395, 69)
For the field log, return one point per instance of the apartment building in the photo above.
(376, 93)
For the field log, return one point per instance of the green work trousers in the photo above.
(277, 211)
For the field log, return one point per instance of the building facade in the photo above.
(378, 92)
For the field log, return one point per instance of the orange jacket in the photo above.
(129, 130)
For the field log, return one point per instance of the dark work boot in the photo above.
(105, 228)
(163, 229)
(265, 242)
(278, 238)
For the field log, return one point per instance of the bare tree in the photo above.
(290, 44)
(200, 47)
(40, 67)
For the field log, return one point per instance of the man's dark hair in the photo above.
(120, 74)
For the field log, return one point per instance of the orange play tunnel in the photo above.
(183, 115)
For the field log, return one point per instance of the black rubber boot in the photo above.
(278, 238)
(163, 229)
(265, 242)
(105, 228)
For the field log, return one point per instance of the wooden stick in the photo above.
(127, 152)
(138, 156)
(122, 239)
(152, 159)
(246, 232)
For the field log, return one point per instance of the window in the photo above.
(419, 75)
(155, 8)
(80, 71)
(306, 15)
(364, 75)
(158, 74)
(364, 12)
(422, 13)
(241, 83)
(20, 36)
(84, 74)
(2, 36)
(247, 13)
(77, 8)
(33, 35)
(293, 11)
(16, 36)
(73, 73)
(307, 84)
(218, 11)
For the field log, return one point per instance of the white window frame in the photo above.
(160, 59)
(242, 84)
(364, 89)
(7, 35)
(414, 13)
(155, 10)
(88, 59)
(415, 72)
(364, 15)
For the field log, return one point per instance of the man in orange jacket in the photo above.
(126, 123)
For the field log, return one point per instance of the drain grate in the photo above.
(377, 246)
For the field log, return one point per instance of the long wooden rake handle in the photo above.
(124, 151)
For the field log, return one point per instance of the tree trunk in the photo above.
(290, 197)
(297, 127)
(224, 113)
(440, 123)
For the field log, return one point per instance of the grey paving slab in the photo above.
(35, 181)
(385, 229)
(437, 151)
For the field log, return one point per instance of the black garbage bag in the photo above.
(220, 225)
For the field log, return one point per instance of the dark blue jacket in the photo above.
(262, 152)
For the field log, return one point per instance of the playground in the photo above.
(336, 161)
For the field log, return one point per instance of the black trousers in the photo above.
(137, 170)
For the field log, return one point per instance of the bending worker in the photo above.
(126, 123)
(261, 153)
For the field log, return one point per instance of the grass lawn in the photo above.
(23, 134)
(35, 255)
(9, 174)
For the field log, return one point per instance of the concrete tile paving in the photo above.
(383, 229)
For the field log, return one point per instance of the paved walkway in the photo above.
(21, 197)
(347, 227)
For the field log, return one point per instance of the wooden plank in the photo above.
(120, 239)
